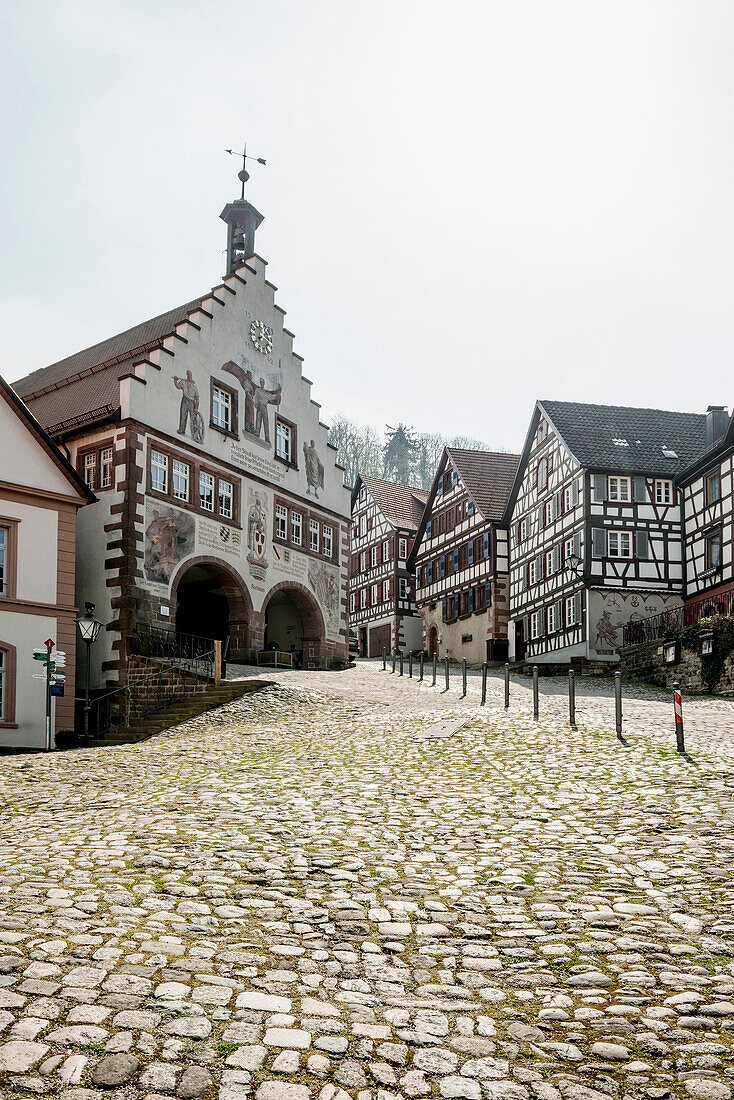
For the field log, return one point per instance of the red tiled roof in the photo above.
(402, 505)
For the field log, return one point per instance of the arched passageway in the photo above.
(294, 624)
(211, 601)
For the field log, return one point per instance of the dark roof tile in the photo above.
(488, 476)
(402, 505)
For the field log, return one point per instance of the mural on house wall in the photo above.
(169, 538)
(611, 610)
(261, 389)
(314, 469)
(188, 413)
(324, 583)
(257, 533)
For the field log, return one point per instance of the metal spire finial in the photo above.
(244, 175)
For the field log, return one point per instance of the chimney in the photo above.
(717, 421)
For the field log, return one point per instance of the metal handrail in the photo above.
(655, 626)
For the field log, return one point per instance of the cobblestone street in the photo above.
(310, 893)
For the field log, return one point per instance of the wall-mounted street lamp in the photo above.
(575, 564)
(88, 628)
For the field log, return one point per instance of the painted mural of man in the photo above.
(189, 401)
(261, 399)
(314, 469)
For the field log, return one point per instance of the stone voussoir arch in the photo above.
(243, 619)
(315, 649)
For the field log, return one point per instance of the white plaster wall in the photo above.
(413, 633)
(26, 633)
(37, 550)
(23, 461)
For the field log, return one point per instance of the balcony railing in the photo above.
(656, 626)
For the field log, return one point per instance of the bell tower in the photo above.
(242, 219)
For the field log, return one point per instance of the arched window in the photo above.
(7, 685)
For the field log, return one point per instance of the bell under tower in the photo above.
(242, 219)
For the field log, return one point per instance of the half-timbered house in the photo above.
(221, 511)
(382, 609)
(707, 490)
(595, 526)
(461, 556)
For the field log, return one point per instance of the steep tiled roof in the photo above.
(78, 399)
(488, 476)
(116, 349)
(402, 505)
(642, 436)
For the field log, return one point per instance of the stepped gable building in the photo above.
(461, 556)
(40, 495)
(382, 610)
(595, 526)
(707, 490)
(221, 508)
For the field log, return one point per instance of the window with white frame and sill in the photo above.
(386, 550)
(548, 513)
(313, 536)
(284, 440)
(180, 479)
(206, 491)
(570, 610)
(663, 492)
(403, 588)
(536, 624)
(327, 542)
(619, 489)
(351, 602)
(221, 409)
(281, 522)
(568, 498)
(296, 528)
(522, 529)
(549, 565)
(532, 572)
(373, 595)
(620, 544)
(225, 499)
(402, 549)
(551, 619)
(385, 591)
(373, 556)
(159, 471)
(363, 598)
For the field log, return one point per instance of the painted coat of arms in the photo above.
(257, 535)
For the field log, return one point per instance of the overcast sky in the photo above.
(467, 205)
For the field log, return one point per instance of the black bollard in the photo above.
(463, 679)
(571, 699)
(484, 683)
(384, 659)
(678, 711)
(618, 702)
(435, 662)
(410, 664)
(507, 687)
(393, 660)
(401, 662)
(535, 693)
(446, 669)
(420, 665)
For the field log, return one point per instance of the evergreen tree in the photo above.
(400, 454)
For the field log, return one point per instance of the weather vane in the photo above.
(244, 175)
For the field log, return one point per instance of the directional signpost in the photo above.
(54, 675)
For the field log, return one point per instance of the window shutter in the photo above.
(539, 571)
(640, 488)
(557, 558)
(577, 543)
(540, 620)
(444, 604)
(429, 572)
(456, 559)
(642, 545)
(575, 491)
(470, 607)
(540, 518)
(418, 577)
(470, 554)
(600, 487)
(559, 615)
(488, 594)
(577, 607)
(442, 565)
(429, 529)
(485, 544)
(598, 542)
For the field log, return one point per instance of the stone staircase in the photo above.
(190, 706)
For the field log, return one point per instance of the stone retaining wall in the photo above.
(644, 662)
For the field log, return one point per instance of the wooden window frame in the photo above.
(291, 462)
(96, 449)
(180, 499)
(283, 517)
(10, 523)
(570, 601)
(621, 531)
(708, 499)
(663, 481)
(402, 540)
(233, 431)
(361, 557)
(7, 717)
(551, 610)
(196, 468)
(630, 489)
(708, 539)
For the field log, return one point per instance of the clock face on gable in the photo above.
(261, 336)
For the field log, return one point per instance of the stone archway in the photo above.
(292, 618)
(210, 595)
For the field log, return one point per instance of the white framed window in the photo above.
(296, 528)
(619, 489)
(550, 619)
(351, 602)
(283, 441)
(386, 550)
(313, 536)
(402, 549)
(403, 588)
(159, 471)
(105, 468)
(385, 591)
(664, 492)
(222, 408)
(567, 548)
(90, 468)
(567, 498)
(328, 542)
(619, 544)
(548, 512)
(522, 529)
(536, 624)
(549, 563)
(570, 607)
(281, 522)
(373, 595)
(206, 491)
(3, 562)
(363, 526)
(532, 568)
(180, 480)
(373, 556)
(363, 598)
(225, 499)
(363, 562)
